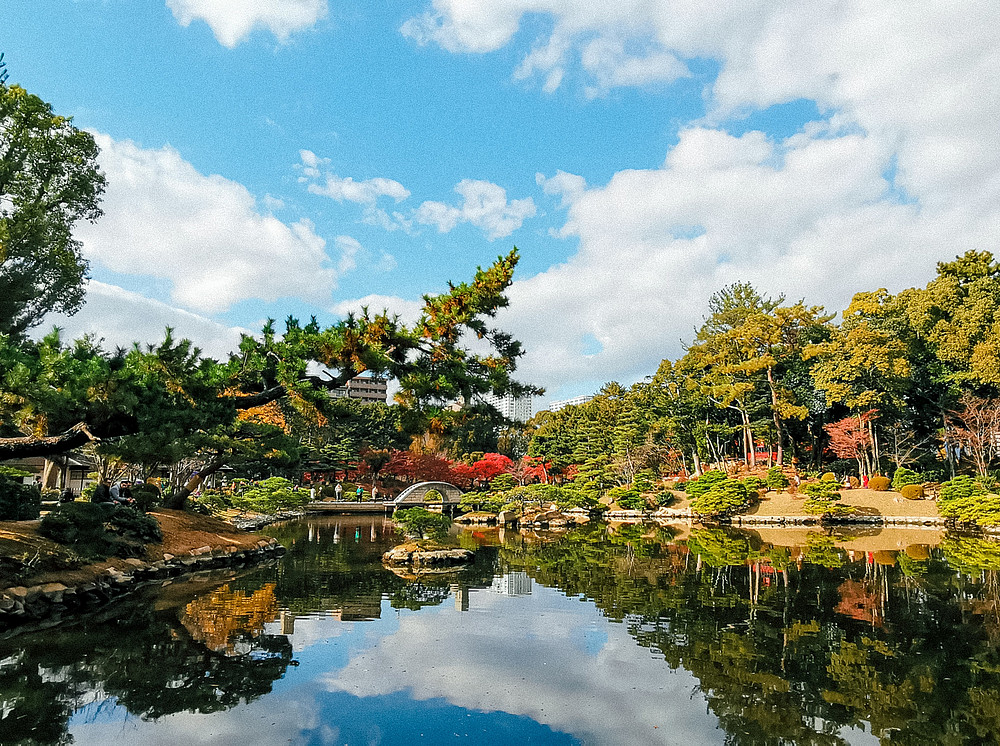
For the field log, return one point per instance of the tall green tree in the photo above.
(744, 349)
(49, 181)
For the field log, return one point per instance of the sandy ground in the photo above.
(857, 538)
(868, 502)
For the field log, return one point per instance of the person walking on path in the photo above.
(374, 493)
(360, 493)
(338, 491)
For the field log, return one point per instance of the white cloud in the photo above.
(906, 88)
(233, 20)
(568, 186)
(808, 217)
(407, 310)
(122, 317)
(342, 188)
(484, 205)
(613, 695)
(349, 249)
(204, 234)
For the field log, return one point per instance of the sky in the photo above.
(308, 157)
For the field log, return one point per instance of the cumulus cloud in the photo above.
(121, 317)
(233, 20)
(407, 310)
(345, 188)
(614, 695)
(808, 217)
(203, 234)
(565, 185)
(483, 205)
(903, 172)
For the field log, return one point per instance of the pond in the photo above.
(609, 634)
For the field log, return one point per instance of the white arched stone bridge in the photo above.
(415, 494)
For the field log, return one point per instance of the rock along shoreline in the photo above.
(61, 593)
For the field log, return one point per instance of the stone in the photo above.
(167, 557)
(505, 517)
(135, 562)
(18, 593)
(54, 592)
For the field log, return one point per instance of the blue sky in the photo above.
(308, 156)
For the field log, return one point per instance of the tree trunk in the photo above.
(777, 420)
(178, 500)
(748, 436)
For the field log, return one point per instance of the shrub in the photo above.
(644, 481)
(328, 490)
(18, 501)
(433, 496)
(776, 479)
(627, 498)
(980, 509)
(422, 523)
(503, 482)
(726, 497)
(879, 484)
(271, 496)
(701, 485)
(959, 487)
(491, 502)
(829, 477)
(903, 477)
(98, 530)
(912, 491)
(754, 484)
(146, 496)
(822, 490)
(822, 499)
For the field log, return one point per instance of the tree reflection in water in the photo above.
(789, 644)
(793, 644)
(145, 661)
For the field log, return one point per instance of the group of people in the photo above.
(119, 493)
(338, 492)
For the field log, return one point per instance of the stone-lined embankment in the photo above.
(19, 604)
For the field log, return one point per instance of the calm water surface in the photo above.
(606, 635)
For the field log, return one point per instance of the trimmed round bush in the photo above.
(903, 477)
(726, 497)
(146, 496)
(433, 496)
(701, 485)
(98, 530)
(829, 477)
(776, 479)
(879, 484)
(912, 491)
(627, 499)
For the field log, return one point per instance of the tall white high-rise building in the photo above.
(517, 408)
(574, 402)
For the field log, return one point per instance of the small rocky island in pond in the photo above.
(427, 553)
(424, 549)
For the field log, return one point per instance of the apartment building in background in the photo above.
(367, 388)
(574, 402)
(517, 408)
